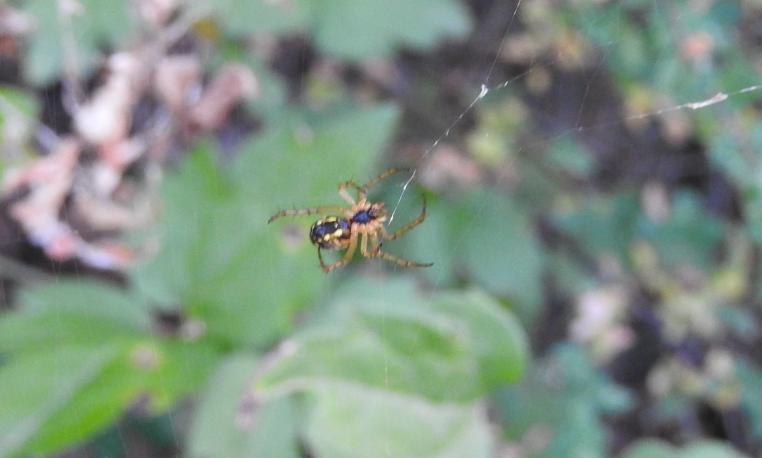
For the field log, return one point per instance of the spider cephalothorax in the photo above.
(363, 223)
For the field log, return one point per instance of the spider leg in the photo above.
(364, 245)
(384, 175)
(377, 253)
(407, 227)
(375, 244)
(320, 257)
(361, 193)
(352, 246)
(306, 211)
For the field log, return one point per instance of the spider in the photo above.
(362, 221)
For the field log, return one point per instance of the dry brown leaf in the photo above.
(233, 83)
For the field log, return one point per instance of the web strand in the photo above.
(718, 98)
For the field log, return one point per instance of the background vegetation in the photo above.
(594, 222)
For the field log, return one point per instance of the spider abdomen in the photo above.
(330, 233)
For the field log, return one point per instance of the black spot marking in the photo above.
(326, 232)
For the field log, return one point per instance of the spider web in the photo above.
(487, 86)
(578, 129)
(714, 96)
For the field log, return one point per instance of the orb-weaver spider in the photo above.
(362, 221)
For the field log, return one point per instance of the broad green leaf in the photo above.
(157, 372)
(357, 422)
(498, 341)
(247, 17)
(351, 29)
(71, 311)
(333, 147)
(654, 448)
(358, 29)
(75, 37)
(220, 259)
(508, 262)
(451, 347)
(34, 387)
(214, 431)
(486, 237)
(431, 241)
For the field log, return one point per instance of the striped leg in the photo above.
(376, 252)
(361, 193)
(307, 211)
(407, 227)
(382, 176)
(402, 262)
(345, 259)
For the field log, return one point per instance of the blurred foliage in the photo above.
(422, 363)
(214, 244)
(18, 116)
(105, 357)
(461, 238)
(701, 449)
(350, 29)
(639, 288)
(214, 430)
(566, 396)
(81, 32)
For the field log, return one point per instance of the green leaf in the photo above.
(654, 448)
(452, 347)
(158, 372)
(102, 356)
(389, 371)
(246, 17)
(220, 260)
(358, 29)
(463, 237)
(334, 147)
(93, 25)
(509, 264)
(36, 386)
(71, 311)
(351, 29)
(357, 422)
(214, 431)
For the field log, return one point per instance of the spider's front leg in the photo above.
(407, 227)
(384, 175)
(361, 193)
(307, 211)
